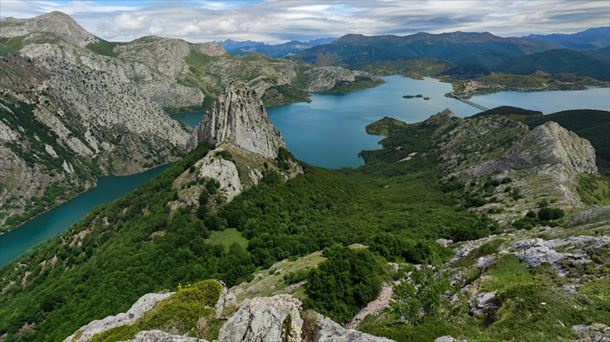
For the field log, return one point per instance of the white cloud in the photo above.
(277, 21)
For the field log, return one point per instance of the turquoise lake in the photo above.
(21, 240)
(327, 132)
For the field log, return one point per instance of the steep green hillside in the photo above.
(591, 64)
(139, 244)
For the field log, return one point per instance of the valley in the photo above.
(162, 181)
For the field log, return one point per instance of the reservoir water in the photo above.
(327, 132)
(47, 225)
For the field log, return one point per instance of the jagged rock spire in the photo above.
(239, 118)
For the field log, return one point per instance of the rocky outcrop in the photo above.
(265, 319)
(144, 304)
(559, 252)
(543, 163)
(239, 118)
(327, 77)
(590, 215)
(329, 331)
(597, 332)
(161, 336)
(483, 304)
(549, 147)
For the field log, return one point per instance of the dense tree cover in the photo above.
(141, 243)
(398, 248)
(345, 282)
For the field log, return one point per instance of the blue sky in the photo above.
(277, 21)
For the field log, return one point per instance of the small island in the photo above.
(418, 96)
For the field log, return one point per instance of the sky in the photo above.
(276, 21)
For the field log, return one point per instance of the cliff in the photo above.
(239, 118)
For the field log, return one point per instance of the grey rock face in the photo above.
(535, 252)
(589, 215)
(239, 118)
(329, 331)
(264, 319)
(161, 336)
(139, 308)
(482, 304)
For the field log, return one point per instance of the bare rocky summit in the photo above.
(239, 118)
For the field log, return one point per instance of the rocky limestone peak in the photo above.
(549, 148)
(239, 118)
(56, 23)
(440, 117)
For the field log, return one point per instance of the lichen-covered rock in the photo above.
(139, 308)
(226, 301)
(329, 331)
(264, 319)
(161, 336)
(239, 118)
(482, 304)
(596, 332)
(573, 250)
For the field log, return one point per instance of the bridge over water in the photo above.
(468, 102)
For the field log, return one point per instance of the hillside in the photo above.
(592, 38)
(159, 233)
(595, 64)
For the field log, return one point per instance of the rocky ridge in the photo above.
(542, 164)
(258, 319)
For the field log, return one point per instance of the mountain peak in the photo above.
(56, 23)
(239, 118)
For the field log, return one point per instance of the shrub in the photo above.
(547, 214)
(421, 296)
(347, 281)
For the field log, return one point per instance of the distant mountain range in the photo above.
(588, 39)
(239, 48)
(470, 54)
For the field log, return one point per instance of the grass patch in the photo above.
(188, 311)
(10, 46)
(593, 190)
(227, 237)
(507, 271)
(485, 249)
(103, 47)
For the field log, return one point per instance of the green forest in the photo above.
(137, 245)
